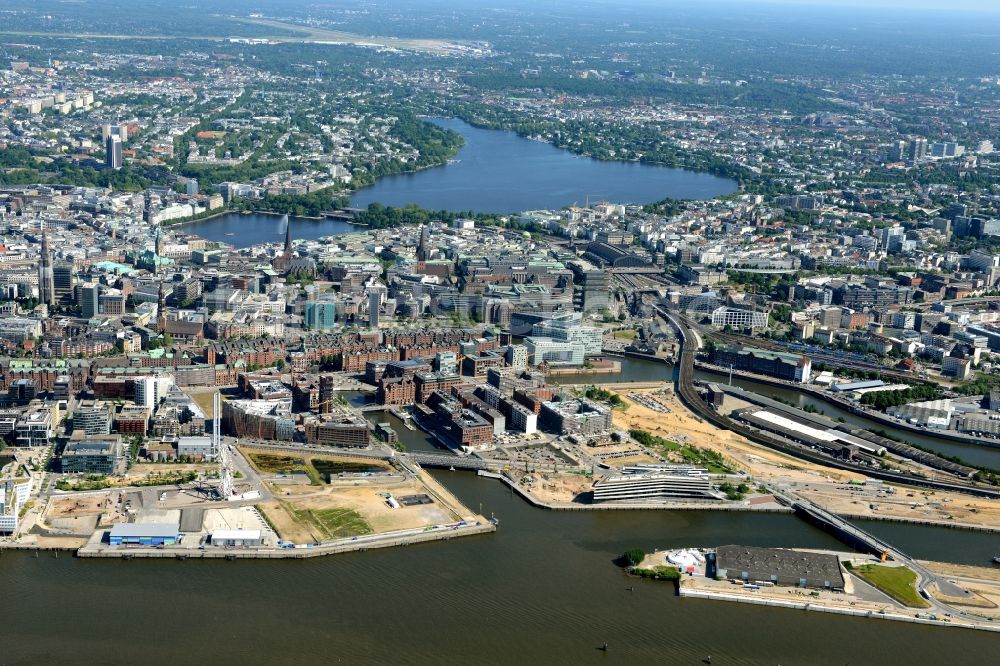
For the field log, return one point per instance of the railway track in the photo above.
(688, 394)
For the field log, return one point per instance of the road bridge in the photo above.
(448, 461)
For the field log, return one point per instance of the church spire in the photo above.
(161, 311)
(46, 282)
(422, 253)
(288, 236)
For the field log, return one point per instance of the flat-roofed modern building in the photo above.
(236, 538)
(33, 428)
(568, 328)
(659, 482)
(15, 489)
(575, 417)
(778, 566)
(144, 534)
(92, 417)
(546, 350)
(93, 455)
(196, 447)
(344, 429)
(739, 318)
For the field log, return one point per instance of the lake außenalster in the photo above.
(496, 172)
(500, 172)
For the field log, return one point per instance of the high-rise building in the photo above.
(62, 276)
(918, 150)
(150, 390)
(113, 148)
(90, 299)
(320, 315)
(326, 393)
(595, 291)
(897, 151)
(374, 305)
(46, 283)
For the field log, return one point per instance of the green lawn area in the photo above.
(267, 462)
(333, 523)
(625, 335)
(657, 573)
(898, 582)
(713, 461)
(279, 464)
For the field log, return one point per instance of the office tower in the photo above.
(320, 315)
(90, 300)
(374, 304)
(113, 148)
(150, 390)
(897, 151)
(326, 393)
(62, 275)
(595, 291)
(122, 132)
(46, 283)
(918, 150)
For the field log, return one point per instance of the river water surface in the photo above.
(541, 590)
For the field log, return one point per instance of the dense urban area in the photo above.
(822, 339)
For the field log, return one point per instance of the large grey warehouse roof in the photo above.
(788, 565)
(145, 530)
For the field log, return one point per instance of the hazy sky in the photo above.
(981, 5)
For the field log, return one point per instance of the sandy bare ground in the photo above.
(363, 496)
(85, 505)
(781, 593)
(681, 426)
(61, 542)
(553, 488)
(829, 486)
(964, 571)
(913, 504)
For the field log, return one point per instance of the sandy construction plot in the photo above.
(681, 426)
(913, 504)
(83, 505)
(764, 464)
(551, 488)
(340, 512)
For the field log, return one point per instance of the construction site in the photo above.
(844, 492)
(249, 502)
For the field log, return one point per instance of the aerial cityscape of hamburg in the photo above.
(426, 332)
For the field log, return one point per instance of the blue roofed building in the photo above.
(144, 534)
